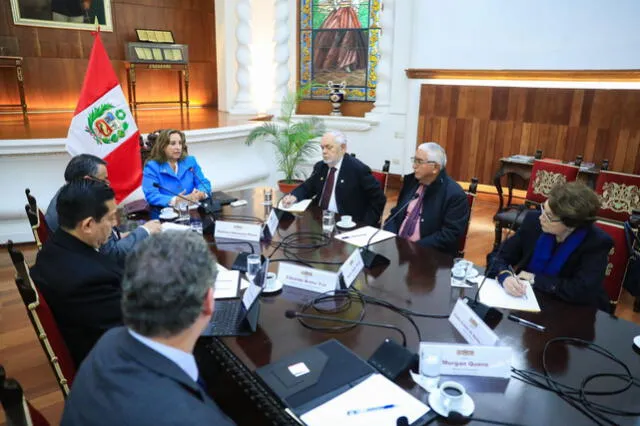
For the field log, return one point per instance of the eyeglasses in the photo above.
(419, 162)
(546, 216)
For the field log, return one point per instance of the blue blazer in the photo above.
(124, 382)
(581, 279)
(445, 212)
(185, 180)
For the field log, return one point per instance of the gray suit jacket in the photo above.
(124, 382)
(116, 248)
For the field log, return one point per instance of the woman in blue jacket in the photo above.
(176, 172)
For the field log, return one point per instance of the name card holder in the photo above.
(470, 325)
(351, 268)
(310, 279)
(238, 231)
(467, 360)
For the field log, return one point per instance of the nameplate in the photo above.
(468, 360)
(473, 329)
(351, 268)
(238, 231)
(305, 278)
(272, 222)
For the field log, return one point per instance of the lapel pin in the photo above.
(341, 180)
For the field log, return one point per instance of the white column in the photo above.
(383, 69)
(281, 38)
(243, 104)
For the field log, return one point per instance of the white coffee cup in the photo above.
(346, 220)
(452, 395)
(270, 282)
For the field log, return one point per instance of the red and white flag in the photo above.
(103, 125)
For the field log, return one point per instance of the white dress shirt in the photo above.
(182, 359)
(333, 206)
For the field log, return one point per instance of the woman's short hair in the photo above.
(574, 203)
(157, 152)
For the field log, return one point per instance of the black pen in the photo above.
(526, 323)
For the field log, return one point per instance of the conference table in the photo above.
(418, 279)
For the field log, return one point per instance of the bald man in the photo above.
(342, 183)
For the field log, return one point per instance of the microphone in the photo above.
(211, 205)
(293, 314)
(207, 208)
(372, 259)
(489, 314)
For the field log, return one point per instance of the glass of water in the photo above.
(459, 271)
(268, 197)
(328, 221)
(196, 225)
(183, 209)
(253, 266)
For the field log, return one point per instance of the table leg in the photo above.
(20, 78)
(180, 72)
(132, 74)
(186, 84)
(129, 88)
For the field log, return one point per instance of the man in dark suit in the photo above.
(80, 284)
(87, 166)
(432, 208)
(145, 373)
(342, 183)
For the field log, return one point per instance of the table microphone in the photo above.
(489, 314)
(372, 259)
(213, 206)
(293, 314)
(206, 206)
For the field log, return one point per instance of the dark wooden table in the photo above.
(417, 279)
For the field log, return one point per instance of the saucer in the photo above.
(344, 225)
(435, 402)
(275, 288)
(636, 341)
(168, 216)
(472, 273)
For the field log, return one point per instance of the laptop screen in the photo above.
(252, 292)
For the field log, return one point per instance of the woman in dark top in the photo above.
(559, 250)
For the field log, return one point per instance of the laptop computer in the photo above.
(222, 197)
(238, 317)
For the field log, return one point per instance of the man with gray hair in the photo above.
(145, 373)
(436, 209)
(342, 183)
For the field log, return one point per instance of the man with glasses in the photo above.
(436, 211)
(87, 166)
(342, 183)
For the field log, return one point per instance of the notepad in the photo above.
(243, 283)
(298, 207)
(492, 294)
(360, 237)
(374, 401)
(226, 286)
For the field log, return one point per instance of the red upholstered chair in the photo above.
(382, 178)
(619, 195)
(39, 227)
(471, 195)
(544, 176)
(44, 323)
(18, 411)
(618, 260)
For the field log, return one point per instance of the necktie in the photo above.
(328, 189)
(412, 219)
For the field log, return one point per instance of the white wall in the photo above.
(524, 34)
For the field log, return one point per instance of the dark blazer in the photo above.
(581, 280)
(358, 193)
(117, 248)
(82, 287)
(445, 212)
(124, 382)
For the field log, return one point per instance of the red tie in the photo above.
(328, 189)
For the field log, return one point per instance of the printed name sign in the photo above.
(468, 360)
(272, 223)
(238, 231)
(306, 278)
(352, 267)
(470, 325)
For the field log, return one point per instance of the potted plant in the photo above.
(292, 140)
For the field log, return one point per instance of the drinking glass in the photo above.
(328, 221)
(196, 225)
(459, 270)
(268, 197)
(253, 266)
(183, 209)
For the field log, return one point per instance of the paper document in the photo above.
(492, 294)
(226, 286)
(169, 226)
(243, 283)
(374, 401)
(298, 207)
(359, 237)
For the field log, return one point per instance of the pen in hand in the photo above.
(513, 274)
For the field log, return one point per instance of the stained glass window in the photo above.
(339, 42)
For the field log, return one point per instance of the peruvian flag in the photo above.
(103, 125)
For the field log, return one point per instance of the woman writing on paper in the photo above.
(170, 170)
(558, 250)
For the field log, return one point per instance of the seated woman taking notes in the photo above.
(559, 250)
(173, 171)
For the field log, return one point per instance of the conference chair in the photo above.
(544, 176)
(619, 195)
(382, 176)
(18, 411)
(471, 195)
(39, 227)
(43, 323)
(617, 261)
